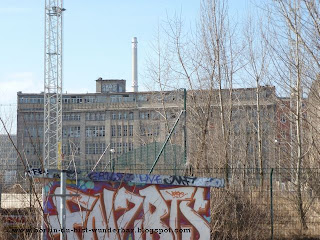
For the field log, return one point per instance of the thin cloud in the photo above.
(14, 10)
(10, 84)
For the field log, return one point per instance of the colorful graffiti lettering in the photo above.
(122, 211)
(130, 178)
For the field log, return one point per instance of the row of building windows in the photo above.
(95, 148)
(150, 130)
(85, 99)
(122, 115)
(8, 153)
(33, 131)
(71, 117)
(119, 130)
(100, 116)
(71, 131)
(74, 148)
(111, 88)
(71, 149)
(99, 148)
(122, 147)
(31, 117)
(121, 98)
(33, 149)
(95, 131)
(96, 116)
(94, 99)
(250, 94)
(147, 115)
(31, 100)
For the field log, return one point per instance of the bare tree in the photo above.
(295, 58)
(256, 67)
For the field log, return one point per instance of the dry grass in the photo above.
(236, 213)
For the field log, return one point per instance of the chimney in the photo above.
(134, 65)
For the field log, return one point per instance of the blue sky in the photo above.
(97, 40)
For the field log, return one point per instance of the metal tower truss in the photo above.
(53, 84)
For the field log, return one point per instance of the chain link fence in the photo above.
(244, 209)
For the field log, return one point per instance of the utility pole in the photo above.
(63, 195)
(53, 84)
(52, 141)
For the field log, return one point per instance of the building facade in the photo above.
(8, 159)
(110, 119)
(116, 126)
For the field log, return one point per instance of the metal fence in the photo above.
(247, 208)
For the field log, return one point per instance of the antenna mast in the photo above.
(53, 84)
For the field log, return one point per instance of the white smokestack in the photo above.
(134, 65)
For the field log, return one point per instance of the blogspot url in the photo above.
(99, 230)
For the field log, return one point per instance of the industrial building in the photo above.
(92, 121)
(116, 128)
(8, 159)
(130, 127)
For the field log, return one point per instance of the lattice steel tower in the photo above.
(53, 84)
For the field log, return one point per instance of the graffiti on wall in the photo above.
(130, 178)
(124, 210)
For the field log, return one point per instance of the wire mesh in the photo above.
(242, 210)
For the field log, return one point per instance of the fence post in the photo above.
(0, 194)
(185, 125)
(63, 186)
(271, 203)
(175, 159)
(30, 193)
(147, 155)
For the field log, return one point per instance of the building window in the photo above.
(283, 118)
(130, 146)
(119, 130)
(113, 131)
(119, 115)
(130, 130)
(113, 115)
(119, 148)
(124, 147)
(130, 115)
(155, 115)
(125, 130)
(142, 131)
